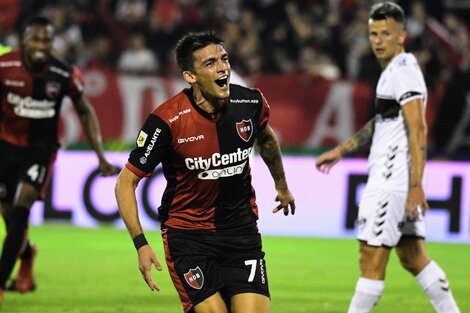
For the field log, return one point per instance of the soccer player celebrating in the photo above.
(32, 86)
(393, 204)
(203, 136)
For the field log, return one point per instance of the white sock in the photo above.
(433, 281)
(366, 295)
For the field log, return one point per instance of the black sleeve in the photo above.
(152, 143)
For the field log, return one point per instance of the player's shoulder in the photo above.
(241, 95)
(170, 110)
(404, 61)
(238, 91)
(11, 59)
(60, 66)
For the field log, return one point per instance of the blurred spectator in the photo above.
(193, 15)
(281, 50)
(68, 42)
(121, 18)
(320, 38)
(315, 63)
(9, 12)
(451, 111)
(161, 38)
(356, 41)
(99, 55)
(138, 59)
(131, 13)
(416, 22)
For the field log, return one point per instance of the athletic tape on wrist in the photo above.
(140, 241)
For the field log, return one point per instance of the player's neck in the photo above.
(33, 67)
(385, 63)
(206, 104)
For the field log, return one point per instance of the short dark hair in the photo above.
(190, 43)
(384, 10)
(38, 20)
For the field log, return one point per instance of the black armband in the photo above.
(140, 241)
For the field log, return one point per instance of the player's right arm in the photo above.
(125, 195)
(327, 160)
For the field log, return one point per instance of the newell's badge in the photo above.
(52, 89)
(141, 139)
(245, 129)
(195, 278)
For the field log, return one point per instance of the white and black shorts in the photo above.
(382, 219)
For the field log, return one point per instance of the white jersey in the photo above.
(389, 158)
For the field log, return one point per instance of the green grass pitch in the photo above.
(95, 271)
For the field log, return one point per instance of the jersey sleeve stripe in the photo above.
(409, 95)
(136, 171)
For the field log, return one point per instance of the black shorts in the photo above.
(29, 165)
(202, 263)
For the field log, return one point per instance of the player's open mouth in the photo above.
(222, 81)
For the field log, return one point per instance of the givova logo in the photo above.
(190, 139)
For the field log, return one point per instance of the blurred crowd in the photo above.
(327, 38)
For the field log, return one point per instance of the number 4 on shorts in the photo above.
(36, 173)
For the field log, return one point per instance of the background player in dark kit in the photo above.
(32, 86)
(203, 137)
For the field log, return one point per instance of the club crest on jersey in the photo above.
(195, 278)
(52, 89)
(245, 129)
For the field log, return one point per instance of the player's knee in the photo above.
(28, 194)
(27, 200)
(413, 264)
(407, 263)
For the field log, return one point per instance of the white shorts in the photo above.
(382, 220)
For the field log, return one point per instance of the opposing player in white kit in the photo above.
(393, 203)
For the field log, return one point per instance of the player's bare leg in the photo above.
(249, 303)
(213, 304)
(412, 254)
(372, 262)
(24, 281)
(431, 278)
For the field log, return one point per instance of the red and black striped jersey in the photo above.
(30, 102)
(205, 159)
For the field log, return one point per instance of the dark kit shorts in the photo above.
(202, 263)
(19, 164)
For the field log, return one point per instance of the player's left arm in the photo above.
(269, 149)
(92, 131)
(413, 112)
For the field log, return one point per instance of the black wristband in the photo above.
(140, 241)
